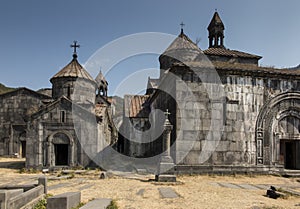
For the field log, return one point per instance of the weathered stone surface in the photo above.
(21, 200)
(100, 203)
(64, 201)
(167, 192)
(5, 195)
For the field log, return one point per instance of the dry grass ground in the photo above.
(196, 192)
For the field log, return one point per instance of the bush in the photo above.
(42, 203)
(112, 205)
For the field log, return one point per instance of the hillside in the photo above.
(4, 89)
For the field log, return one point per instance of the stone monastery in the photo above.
(228, 113)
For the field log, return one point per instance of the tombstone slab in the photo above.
(100, 203)
(167, 192)
(64, 201)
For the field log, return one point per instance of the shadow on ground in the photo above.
(12, 164)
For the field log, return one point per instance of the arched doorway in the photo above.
(277, 132)
(60, 150)
(289, 137)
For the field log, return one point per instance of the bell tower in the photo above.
(216, 32)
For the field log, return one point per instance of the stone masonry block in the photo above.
(64, 201)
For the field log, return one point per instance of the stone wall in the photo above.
(244, 97)
(14, 108)
(80, 91)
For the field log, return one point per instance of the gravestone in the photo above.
(64, 201)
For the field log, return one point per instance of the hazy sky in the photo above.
(35, 35)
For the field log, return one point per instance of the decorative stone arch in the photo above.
(51, 141)
(267, 139)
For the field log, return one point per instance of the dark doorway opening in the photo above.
(61, 154)
(290, 155)
(23, 149)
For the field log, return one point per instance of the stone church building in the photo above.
(228, 113)
(252, 126)
(62, 126)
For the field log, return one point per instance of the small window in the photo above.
(69, 91)
(62, 116)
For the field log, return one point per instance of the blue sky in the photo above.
(35, 35)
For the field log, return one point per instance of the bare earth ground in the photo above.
(135, 191)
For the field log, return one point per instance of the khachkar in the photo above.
(165, 171)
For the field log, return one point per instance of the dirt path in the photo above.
(195, 192)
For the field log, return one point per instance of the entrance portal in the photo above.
(290, 155)
(61, 154)
(290, 150)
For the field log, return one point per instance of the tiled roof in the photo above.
(182, 42)
(135, 105)
(241, 67)
(229, 53)
(255, 68)
(73, 69)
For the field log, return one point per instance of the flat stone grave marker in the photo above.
(100, 203)
(167, 192)
(229, 185)
(141, 192)
(248, 186)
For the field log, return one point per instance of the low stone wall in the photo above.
(5, 195)
(26, 197)
(16, 197)
(24, 187)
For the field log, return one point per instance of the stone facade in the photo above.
(246, 122)
(15, 106)
(67, 129)
(228, 114)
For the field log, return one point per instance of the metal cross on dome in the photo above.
(182, 25)
(75, 45)
(167, 113)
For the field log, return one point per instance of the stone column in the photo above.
(165, 171)
(71, 153)
(49, 144)
(167, 137)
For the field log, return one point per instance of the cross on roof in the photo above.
(75, 45)
(182, 25)
(167, 113)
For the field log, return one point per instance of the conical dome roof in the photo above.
(182, 42)
(216, 22)
(182, 49)
(100, 79)
(74, 70)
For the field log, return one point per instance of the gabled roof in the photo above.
(73, 69)
(23, 90)
(229, 53)
(80, 110)
(134, 106)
